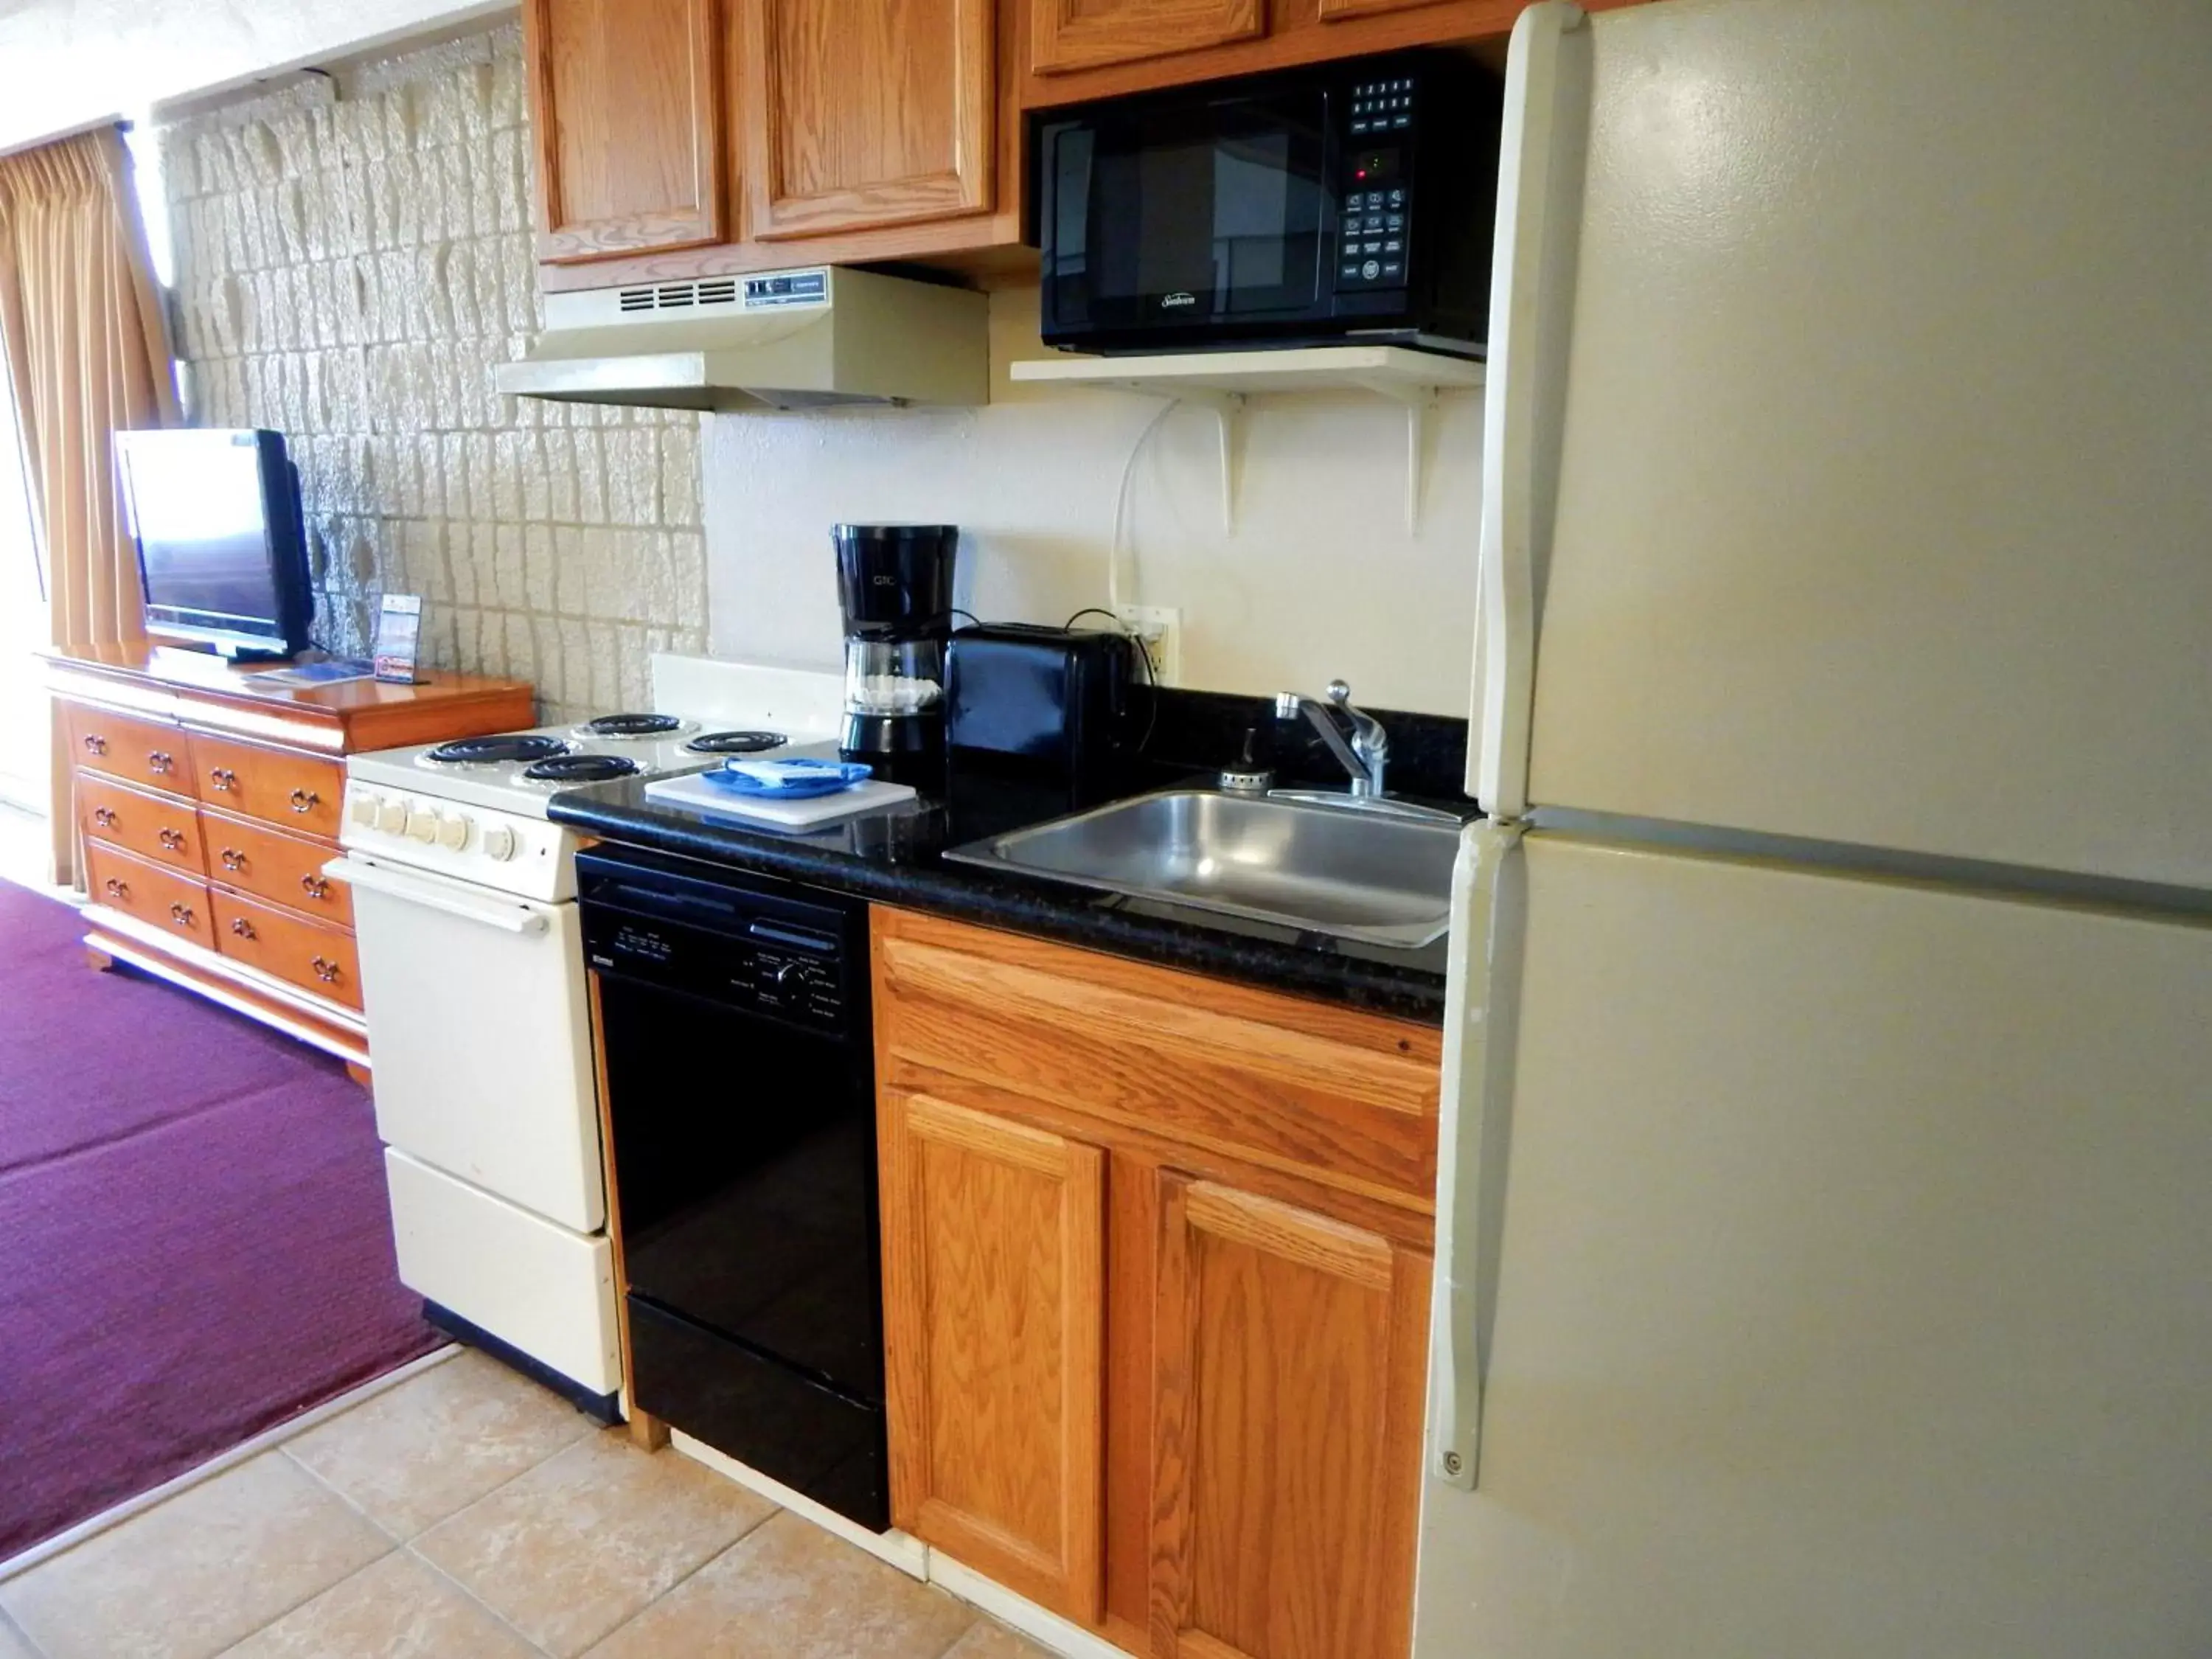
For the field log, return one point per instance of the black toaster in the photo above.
(1050, 703)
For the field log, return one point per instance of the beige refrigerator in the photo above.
(1826, 1221)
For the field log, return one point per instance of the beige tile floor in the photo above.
(466, 1512)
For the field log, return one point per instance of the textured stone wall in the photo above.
(352, 258)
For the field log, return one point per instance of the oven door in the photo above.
(480, 1036)
(1183, 214)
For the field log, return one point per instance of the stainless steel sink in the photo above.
(1353, 874)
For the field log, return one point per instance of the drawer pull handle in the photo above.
(233, 859)
(242, 927)
(181, 915)
(116, 890)
(95, 745)
(314, 887)
(326, 970)
(304, 800)
(104, 817)
(223, 778)
(172, 839)
(159, 760)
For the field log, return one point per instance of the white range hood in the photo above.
(784, 339)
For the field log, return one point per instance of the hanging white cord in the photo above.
(1122, 508)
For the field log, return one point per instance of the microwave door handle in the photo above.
(1537, 188)
(511, 917)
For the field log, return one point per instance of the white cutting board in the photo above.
(693, 791)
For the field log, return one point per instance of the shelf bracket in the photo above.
(1228, 408)
(1417, 401)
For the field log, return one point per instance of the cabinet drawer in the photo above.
(313, 955)
(1349, 1097)
(131, 747)
(161, 898)
(297, 791)
(158, 827)
(271, 864)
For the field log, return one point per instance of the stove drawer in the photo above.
(310, 955)
(269, 865)
(540, 1288)
(300, 792)
(161, 898)
(157, 827)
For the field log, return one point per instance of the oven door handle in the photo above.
(513, 917)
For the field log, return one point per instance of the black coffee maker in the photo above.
(895, 581)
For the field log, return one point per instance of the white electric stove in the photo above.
(478, 1005)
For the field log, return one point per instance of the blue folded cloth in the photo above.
(787, 780)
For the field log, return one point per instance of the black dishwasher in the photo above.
(740, 1090)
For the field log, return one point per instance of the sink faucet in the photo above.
(1363, 754)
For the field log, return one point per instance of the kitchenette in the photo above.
(1056, 984)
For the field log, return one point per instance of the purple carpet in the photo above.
(192, 1220)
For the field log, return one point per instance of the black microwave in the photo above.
(1349, 201)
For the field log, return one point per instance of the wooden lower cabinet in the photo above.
(993, 1239)
(1288, 1371)
(1153, 1361)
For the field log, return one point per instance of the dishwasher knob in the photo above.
(423, 826)
(454, 832)
(392, 817)
(364, 808)
(498, 842)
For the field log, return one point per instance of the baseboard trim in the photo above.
(1047, 1629)
(115, 1516)
(901, 1549)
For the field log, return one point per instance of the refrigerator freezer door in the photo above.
(1876, 399)
(1853, 1291)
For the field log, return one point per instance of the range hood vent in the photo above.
(785, 339)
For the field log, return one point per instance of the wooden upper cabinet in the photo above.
(1079, 35)
(626, 98)
(1290, 1358)
(993, 1297)
(859, 114)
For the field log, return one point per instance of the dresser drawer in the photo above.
(161, 898)
(271, 864)
(128, 746)
(157, 827)
(302, 793)
(312, 955)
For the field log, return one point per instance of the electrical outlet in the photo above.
(1160, 628)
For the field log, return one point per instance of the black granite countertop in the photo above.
(896, 856)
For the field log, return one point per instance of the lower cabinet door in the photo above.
(1290, 1355)
(994, 1295)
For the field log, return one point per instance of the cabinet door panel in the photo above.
(627, 105)
(1076, 34)
(993, 1305)
(863, 113)
(1290, 1358)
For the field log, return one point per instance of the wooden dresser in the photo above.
(207, 809)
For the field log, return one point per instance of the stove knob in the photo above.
(498, 842)
(454, 832)
(364, 808)
(423, 826)
(392, 817)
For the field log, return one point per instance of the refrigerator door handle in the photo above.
(1479, 1028)
(1535, 176)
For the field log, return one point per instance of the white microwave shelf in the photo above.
(1223, 380)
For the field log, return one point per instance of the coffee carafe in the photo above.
(895, 581)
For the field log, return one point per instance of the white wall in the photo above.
(68, 64)
(1319, 581)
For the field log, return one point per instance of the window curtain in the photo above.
(88, 351)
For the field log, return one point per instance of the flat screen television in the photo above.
(222, 554)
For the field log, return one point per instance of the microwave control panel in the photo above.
(1375, 196)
